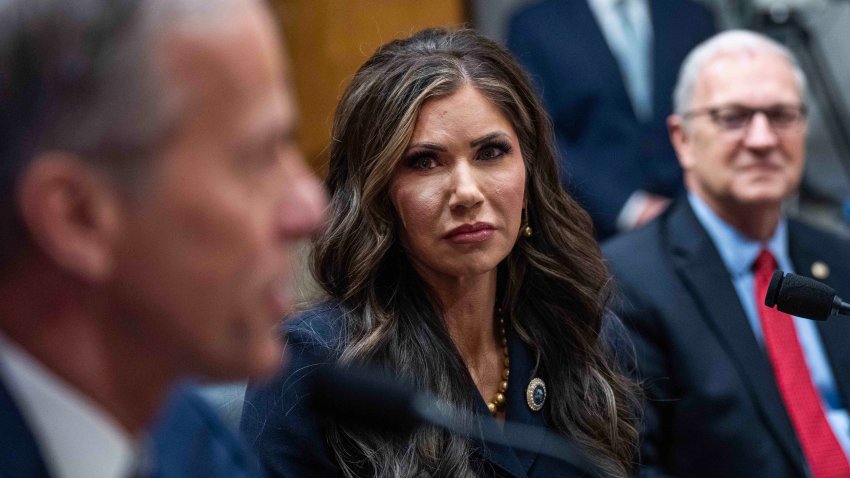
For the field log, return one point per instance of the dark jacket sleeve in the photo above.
(649, 360)
(277, 418)
(190, 440)
(651, 374)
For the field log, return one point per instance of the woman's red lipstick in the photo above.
(471, 233)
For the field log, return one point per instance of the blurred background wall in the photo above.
(329, 39)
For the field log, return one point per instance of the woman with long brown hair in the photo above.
(453, 259)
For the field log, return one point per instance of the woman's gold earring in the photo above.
(527, 231)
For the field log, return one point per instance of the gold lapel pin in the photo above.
(820, 270)
(535, 394)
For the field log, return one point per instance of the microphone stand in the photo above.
(552, 445)
(368, 399)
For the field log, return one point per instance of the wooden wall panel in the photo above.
(328, 40)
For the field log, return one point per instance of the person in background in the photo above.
(453, 259)
(152, 192)
(605, 70)
(734, 388)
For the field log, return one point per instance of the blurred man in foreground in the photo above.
(736, 389)
(152, 194)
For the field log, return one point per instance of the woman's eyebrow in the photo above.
(426, 145)
(488, 137)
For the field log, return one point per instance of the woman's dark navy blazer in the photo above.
(277, 418)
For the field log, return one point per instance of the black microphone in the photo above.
(804, 297)
(365, 398)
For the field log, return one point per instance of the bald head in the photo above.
(741, 43)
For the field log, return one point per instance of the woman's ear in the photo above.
(71, 211)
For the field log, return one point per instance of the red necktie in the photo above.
(823, 453)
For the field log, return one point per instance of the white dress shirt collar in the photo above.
(76, 438)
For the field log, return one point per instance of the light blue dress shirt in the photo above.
(738, 254)
(627, 28)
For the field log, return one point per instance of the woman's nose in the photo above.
(466, 188)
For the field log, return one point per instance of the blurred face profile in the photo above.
(459, 189)
(733, 157)
(203, 263)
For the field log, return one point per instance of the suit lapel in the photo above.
(704, 275)
(518, 411)
(514, 462)
(500, 456)
(806, 248)
(517, 462)
(19, 454)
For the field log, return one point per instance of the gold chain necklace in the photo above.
(498, 401)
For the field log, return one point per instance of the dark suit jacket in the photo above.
(289, 436)
(19, 453)
(713, 405)
(188, 441)
(606, 152)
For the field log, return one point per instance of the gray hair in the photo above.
(83, 77)
(727, 42)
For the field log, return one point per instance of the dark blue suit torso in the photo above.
(289, 436)
(606, 152)
(188, 440)
(19, 453)
(713, 406)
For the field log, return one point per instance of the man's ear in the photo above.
(680, 140)
(71, 211)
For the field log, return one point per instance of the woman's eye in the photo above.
(494, 151)
(425, 161)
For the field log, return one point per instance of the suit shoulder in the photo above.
(688, 7)
(639, 263)
(190, 437)
(815, 234)
(530, 15)
(809, 244)
(187, 408)
(621, 248)
(322, 324)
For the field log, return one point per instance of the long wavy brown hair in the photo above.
(554, 284)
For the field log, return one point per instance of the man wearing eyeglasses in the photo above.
(735, 389)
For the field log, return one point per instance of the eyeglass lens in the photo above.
(782, 117)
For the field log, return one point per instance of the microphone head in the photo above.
(773, 288)
(803, 297)
(363, 398)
